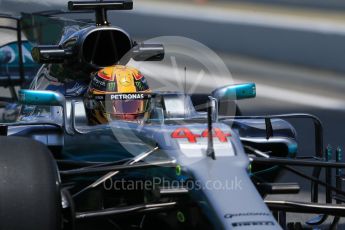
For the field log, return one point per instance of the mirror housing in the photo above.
(235, 92)
(148, 52)
(41, 97)
(49, 54)
(46, 98)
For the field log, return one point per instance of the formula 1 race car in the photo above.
(192, 162)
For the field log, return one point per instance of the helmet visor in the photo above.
(117, 104)
(128, 106)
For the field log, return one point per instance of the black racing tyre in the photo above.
(29, 186)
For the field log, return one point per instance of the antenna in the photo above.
(185, 90)
(210, 148)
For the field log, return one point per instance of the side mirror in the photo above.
(148, 52)
(41, 97)
(49, 54)
(235, 92)
(46, 98)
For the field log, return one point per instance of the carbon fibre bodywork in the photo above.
(223, 206)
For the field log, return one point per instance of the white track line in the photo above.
(237, 16)
(300, 98)
(222, 15)
(269, 92)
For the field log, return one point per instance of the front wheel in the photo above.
(29, 186)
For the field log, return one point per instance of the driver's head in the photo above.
(117, 92)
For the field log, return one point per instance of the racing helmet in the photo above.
(117, 92)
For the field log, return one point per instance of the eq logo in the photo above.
(11, 51)
(192, 137)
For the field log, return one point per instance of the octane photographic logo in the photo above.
(231, 184)
(188, 68)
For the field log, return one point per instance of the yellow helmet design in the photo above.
(117, 92)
